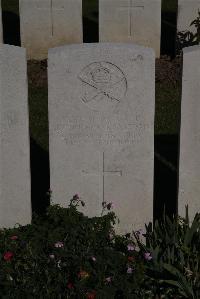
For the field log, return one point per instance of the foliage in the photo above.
(65, 254)
(189, 38)
(174, 245)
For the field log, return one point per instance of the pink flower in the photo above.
(8, 256)
(59, 244)
(130, 247)
(14, 237)
(147, 256)
(130, 270)
(108, 279)
(93, 258)
(52, 256)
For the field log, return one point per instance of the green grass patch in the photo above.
(167, 116)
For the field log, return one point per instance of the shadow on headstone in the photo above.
(40, 181)
(165, 174)
(11, 28)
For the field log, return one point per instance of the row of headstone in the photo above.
(49, 23)
(101, 128)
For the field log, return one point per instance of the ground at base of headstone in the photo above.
(65, 254)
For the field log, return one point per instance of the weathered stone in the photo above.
(137, 21)
(15, 195)
(189, 169)
(49, 23)
(101, 119)
(187, 12)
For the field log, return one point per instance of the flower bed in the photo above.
(65, 254)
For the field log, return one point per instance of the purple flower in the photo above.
(130, 270)
(59, 244)
(130, 247)
(147, 256)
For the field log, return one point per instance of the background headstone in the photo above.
(187, 12)
(49, 23)
(1, 25)
(15, 190)
(101, 122)
(189, 169)
(137, 21)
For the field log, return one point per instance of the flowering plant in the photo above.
(65, 254)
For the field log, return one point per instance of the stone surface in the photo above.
(15, 190)
(101, 122)
(187, 12)
(1, 25)
(49, 23)
(137, 21)
(189, 169)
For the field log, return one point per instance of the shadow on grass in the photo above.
(90, 31)
(40, 181)
(165, 174)
(168, 34)
(11, 28)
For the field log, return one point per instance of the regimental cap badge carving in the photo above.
(104, 85)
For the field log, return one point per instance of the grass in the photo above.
(167, 115)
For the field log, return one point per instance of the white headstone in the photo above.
(49, 23)
(137, 21)
(189, 169)
(15, 195)
(187, 12)
(1, 25)
(101, 118)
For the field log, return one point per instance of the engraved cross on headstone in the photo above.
(102, 173)
(131, 7)
(50, 6)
